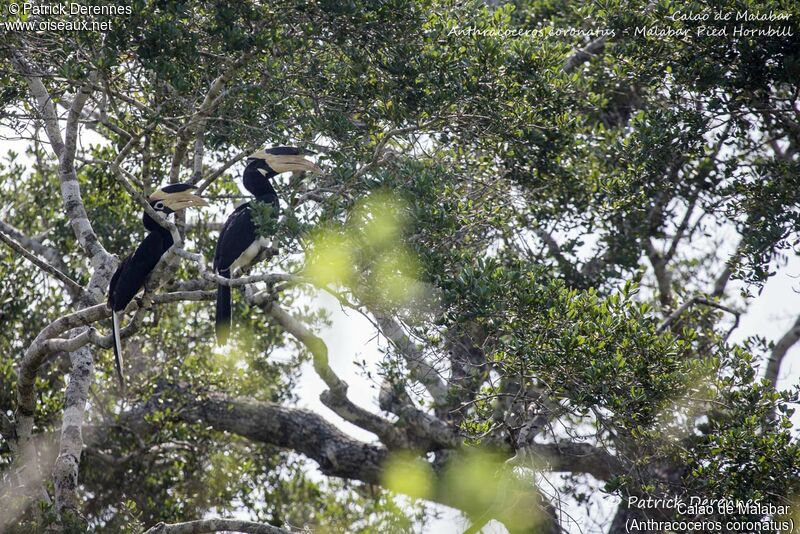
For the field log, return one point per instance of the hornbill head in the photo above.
(175, 197)
(273, 161)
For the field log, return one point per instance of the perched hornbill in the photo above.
(131, 274)
(239, 245)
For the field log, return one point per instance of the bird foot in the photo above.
(144, 301)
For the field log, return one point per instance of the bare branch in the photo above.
(428, 431)
(64, 148)
(72, 286)
(51, 254)
(722, 281)
(584, 54)
(215, 525)
(124, 179)
(662, 274)
(680, 231)
(779, 352)
(221, 170)
(725, 276)
(335, 397)
(418, 366)
(703, 301)
(46, 109)
(569, 456)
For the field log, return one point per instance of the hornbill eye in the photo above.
(159, 205)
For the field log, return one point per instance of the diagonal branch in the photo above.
(418, 366)
(64, 148)
(51, 254)
(221, 170)
(705, 302)
(72, 286)
(335, 397)
(779, 352)
(46, 109)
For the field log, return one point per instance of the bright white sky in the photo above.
(350, 339)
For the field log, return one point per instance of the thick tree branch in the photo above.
(311, 435)
(46, 342)
(779, 352)
(571, 457)
(427, 431)
(292, 428)
(64, 148)
(662, 274)
(101, 260)
(215, 525)
(65, 470)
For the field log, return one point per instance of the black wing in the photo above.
(132, 273)
(112, 285)
(238, 233)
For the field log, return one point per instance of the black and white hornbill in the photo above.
(239, 245)
(130, 276)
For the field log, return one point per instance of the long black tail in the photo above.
(222, 322)
(117, 349)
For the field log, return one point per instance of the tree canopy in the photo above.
(553, 216)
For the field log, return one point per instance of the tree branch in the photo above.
(335, 397)
(662, 274)
(65, 470)
(705, 302)
(46, 109)
(779, 352)
(73, 287)
(292, 428)
(215, 525)
(418, 366)
(582, 55)
(221, 170)
(569, 456)
(196, 122)
(51, 254)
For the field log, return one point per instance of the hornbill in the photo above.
(132, 272)
(239, 245)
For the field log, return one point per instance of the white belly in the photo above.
(250, 254)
